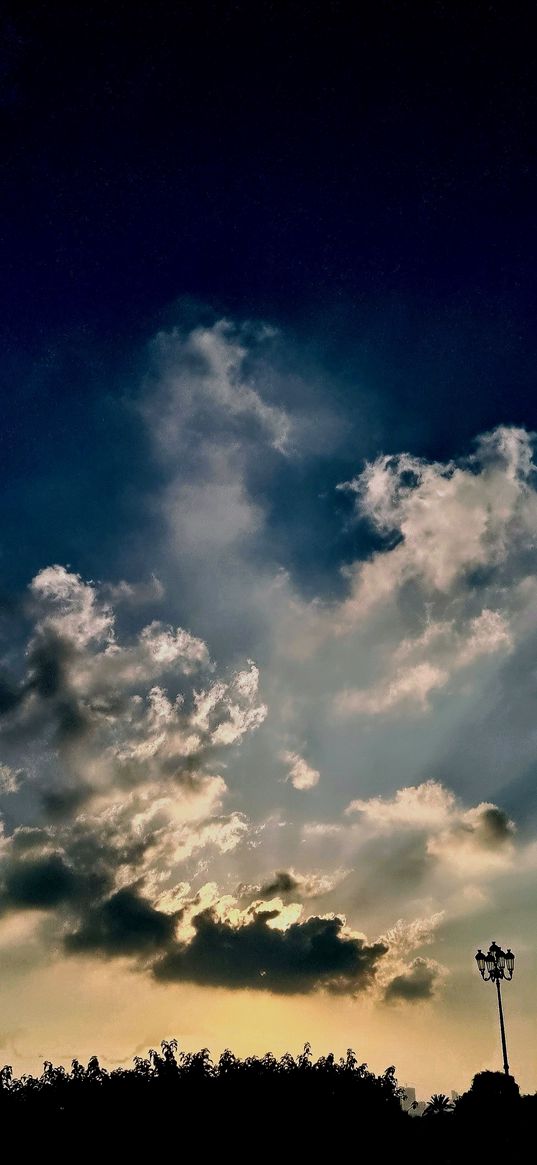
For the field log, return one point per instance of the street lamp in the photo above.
(494, 966)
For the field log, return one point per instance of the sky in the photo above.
(268, 543)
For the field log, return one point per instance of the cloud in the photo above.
(44, 882)
(265, 947)
(92, 704)
(447, 589)
(227, 418)
(420, 979)
(9, 779)
(482, 839)
(443, 615)
(488, 632)
(450, 518)
(124, 924)
(129, 594)
(415, 985)
(138, 761)
(413, 681)
(207, 939)
(290, 882)
(142, 840)
(426, 806)
(322, 829)
(471, 840)
(212, 517)
(420, 850)
(70, 607)
(307, 956)
(205, 373)
(283, 882)
(413, 684)
(39, 884)
(405, 937)
(118, 782)
(210, 424)
(301, 775)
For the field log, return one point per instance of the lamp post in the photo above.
(495, 966)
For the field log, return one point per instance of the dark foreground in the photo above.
(172, 1103)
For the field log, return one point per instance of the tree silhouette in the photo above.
(264, 1105)
(438, 1105)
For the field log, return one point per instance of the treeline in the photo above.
(257, 1106)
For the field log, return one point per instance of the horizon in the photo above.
(268, 545)
(109, 1065)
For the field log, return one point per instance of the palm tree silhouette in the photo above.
(438, 1105)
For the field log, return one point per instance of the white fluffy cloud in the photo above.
(465, 536)
(470, 841)
(301, 775)
(427, 806)
(70, 606)
(451, 518)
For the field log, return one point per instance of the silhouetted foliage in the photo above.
(438, 1105)
(256, 1106)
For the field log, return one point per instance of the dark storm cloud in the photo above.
(44, 883)
(281, 883)
(28, 837)
(125, 924)
(104, 848)
(63, 803)
(491, 829)
(50, 659)
(306, 957)
(84, 849)
(414, 985)
(494, 827)
(46, 699)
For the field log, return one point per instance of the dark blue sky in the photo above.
(364, 178)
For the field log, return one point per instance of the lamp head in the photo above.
(490, 958)
(480, 960)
